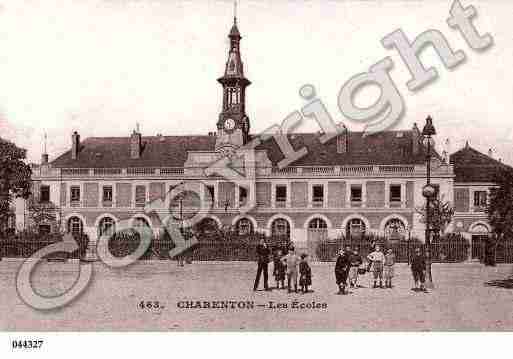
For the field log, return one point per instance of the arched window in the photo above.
(317, 223)
(479, 228)
(107, 226)
(244, 226)
(140, 222)
(207, 226)
(356, 228)
(280, 227)
(395, 229)
(75, 226)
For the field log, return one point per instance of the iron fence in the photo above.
(443, 252)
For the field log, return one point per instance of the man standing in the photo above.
(263, 253)
(377, 259)
(418, 268)
(341, 270)
(291, 260)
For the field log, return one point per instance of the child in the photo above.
(356, 262)
(377, 258)
(389, 268)
(418, 266)
(341, 270)
(291, 260)
(279, 270)
(305, 273)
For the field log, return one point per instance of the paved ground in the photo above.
(461, 300)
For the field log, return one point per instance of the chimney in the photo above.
(490, 153)
(135, 145)
(75, 145)
(44, 155)
(343, 141)
(415, 139)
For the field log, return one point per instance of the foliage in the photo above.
(43, 212)
(14, 177)
(500, 204)
(441, 213)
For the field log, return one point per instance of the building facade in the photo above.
(348, 185)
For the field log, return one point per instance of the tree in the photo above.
(500, 204)
(500, 208)
(441, 215)
(43, 212)
(15, 177)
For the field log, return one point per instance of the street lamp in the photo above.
(429, 191)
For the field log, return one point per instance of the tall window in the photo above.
(75, 226)
(244, 226)
(356, 193)
(281, 195)
(317, 223)
(212, 191)
(140, 196)
(395, 229)
(75, 195)
(318, 194)
(395, 193)
(106, 226)
(480, 199)
(107, 194)
(44, 194)
(280, 227)
(243, 195)
(356, 227)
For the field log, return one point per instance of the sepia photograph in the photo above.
(255, 166)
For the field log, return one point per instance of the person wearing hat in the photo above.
(341, 270)
(388, 270)
(263, 253)
(305, 274)
(377, 259)
(418, 267)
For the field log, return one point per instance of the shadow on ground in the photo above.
(502, 283)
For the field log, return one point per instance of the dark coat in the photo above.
(263, 253)
(305, 273)
(418, 263)
(279, 269)
(342, 268)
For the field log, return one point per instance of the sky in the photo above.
(100, 67)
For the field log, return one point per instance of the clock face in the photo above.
(229, 124)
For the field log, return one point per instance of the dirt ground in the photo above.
(461, 300)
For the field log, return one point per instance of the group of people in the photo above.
(348, 267)
(289, 266)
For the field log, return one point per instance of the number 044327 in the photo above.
(27, 344)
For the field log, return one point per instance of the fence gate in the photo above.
(314, 237)
(478, 246)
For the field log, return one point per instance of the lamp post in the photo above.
(428, 192)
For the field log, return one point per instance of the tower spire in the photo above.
(235, 12)
(44, 143)
(233, 124)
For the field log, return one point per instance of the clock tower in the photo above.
(233, 124)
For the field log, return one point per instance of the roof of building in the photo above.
(389, 148)
(470, 165)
